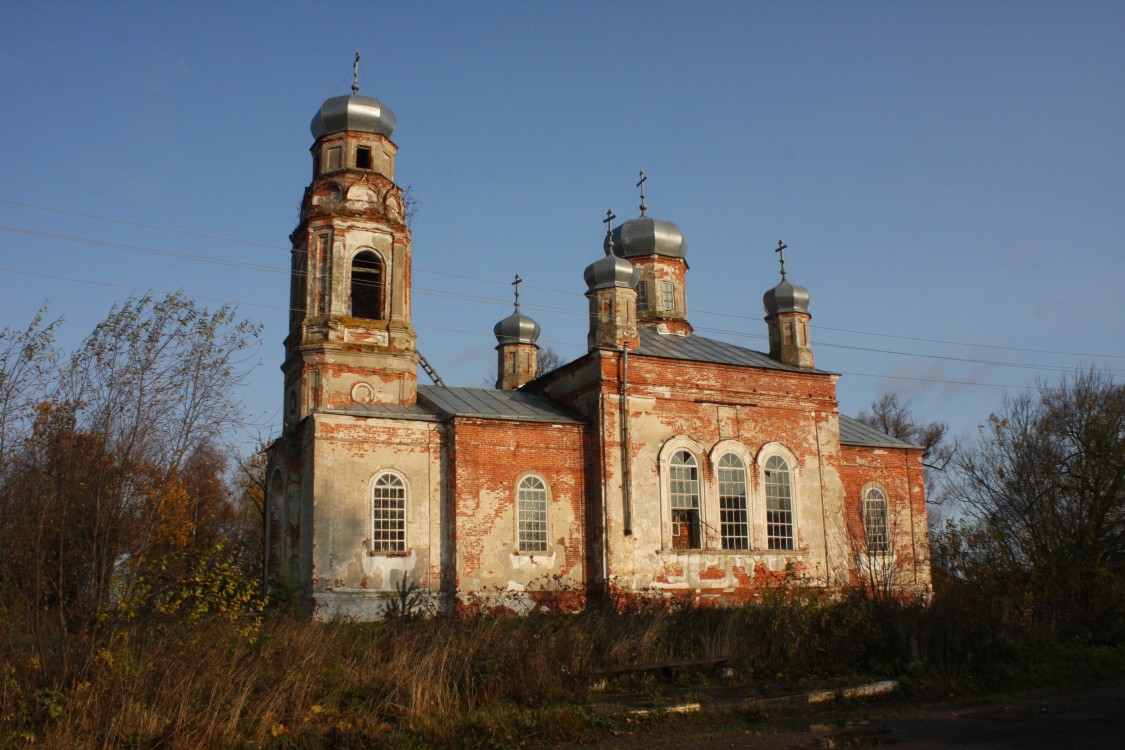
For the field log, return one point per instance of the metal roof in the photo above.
(353, 112)
(645, 236)
(854, 432)
(489, 403)
(701, 349)
(386, 411)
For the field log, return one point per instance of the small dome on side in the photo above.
(364, 114)
(517, 328)
(611, 271)
(786, 298)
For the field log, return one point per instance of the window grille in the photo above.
(642, 295)
(779, 505)
(683, 488)
(389, 533)
(875, 520)
(734, 522)
(532, 509)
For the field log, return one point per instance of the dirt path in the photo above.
(1092, 718)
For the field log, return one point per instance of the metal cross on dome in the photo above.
(516, 284)
(355, 74)
(608, 221)
(641, 185)
(781, 246)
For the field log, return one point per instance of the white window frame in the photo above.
(875, 541)
(529, 539)
(667, 451)
(667, 295)
(728, 538)
(777, 450)
(388, 541)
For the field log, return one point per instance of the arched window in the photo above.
(733, 517)
(875, 520)
(367, 286)
(389, 531)
(531, 504)
(779, 504)
(684, 493)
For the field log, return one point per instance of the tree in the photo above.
(547, 359)
(1045, 489)
(114, 490)
(894, 417)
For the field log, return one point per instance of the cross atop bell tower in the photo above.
(350, 337)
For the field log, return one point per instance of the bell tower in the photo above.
(350, 338)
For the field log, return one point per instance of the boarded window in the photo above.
(367, 286)
(684, 494)
(667, 296)
(532, 509)
(734, 522)
(779, 504)
(389, 532)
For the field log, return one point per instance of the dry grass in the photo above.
(473, 682)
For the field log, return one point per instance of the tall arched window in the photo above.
(367, 286)
(779, 504)
(531, 504)
(875, 521)
(389, 531)
(734, 522)
(684, 493)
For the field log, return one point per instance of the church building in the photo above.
(658, 464)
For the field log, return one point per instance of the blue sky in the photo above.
(942, 172)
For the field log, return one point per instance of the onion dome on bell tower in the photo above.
(787, 316)
(517, 352)
(611, 287)
(350, 335)
(659, 251)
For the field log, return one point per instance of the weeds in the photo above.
(486, 681)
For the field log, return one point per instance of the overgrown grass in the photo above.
(480, 681)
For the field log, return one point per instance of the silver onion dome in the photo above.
(610, 271)
(517, 328)
(647, 236)
(786, 298)
(364, 114)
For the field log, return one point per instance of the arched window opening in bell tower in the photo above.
(367, 286)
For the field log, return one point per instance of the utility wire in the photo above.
(139, 288)
(566, 292)
(488, 300)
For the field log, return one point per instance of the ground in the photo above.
(1088, 718)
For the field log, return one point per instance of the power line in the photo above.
(495, 301)
(490, 300)
(145, 249)
(461, 330)
(566, 292)
(144, 226)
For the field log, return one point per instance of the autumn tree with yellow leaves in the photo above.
(115, 497)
